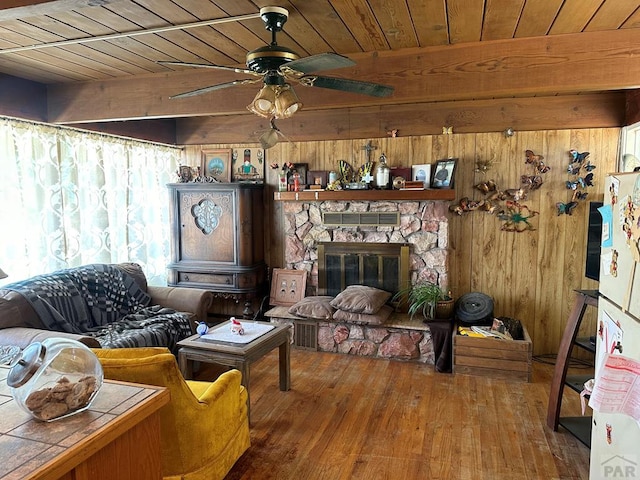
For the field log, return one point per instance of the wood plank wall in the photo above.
(531, 275)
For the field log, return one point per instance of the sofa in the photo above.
(101, 305)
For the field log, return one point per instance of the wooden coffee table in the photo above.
(238, 355)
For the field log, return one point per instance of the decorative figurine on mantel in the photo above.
(382, 173)
(352, 179)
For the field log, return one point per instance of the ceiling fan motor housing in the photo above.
(269, 57)
(272, 56)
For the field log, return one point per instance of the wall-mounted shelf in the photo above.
(366, 195)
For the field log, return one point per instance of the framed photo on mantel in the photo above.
(422, 173)
(443, 174)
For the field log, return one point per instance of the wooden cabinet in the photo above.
(217, 239)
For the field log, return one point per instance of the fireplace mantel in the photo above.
(365, 195)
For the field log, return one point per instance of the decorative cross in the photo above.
(369, 148)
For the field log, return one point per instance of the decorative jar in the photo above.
(383, 172)
(55, 378)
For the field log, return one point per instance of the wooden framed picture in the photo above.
(317, 177)
(216, 163)
(443, 174)
(302, 169)
(247, 165)
(287, 286)
(421, 173)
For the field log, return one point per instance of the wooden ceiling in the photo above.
(430, 51)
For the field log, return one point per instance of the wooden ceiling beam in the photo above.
(560, 64)
(469, 116)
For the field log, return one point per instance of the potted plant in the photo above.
(428, 298)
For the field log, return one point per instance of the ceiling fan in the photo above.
(275, 66)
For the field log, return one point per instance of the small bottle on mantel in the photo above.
(382, 173)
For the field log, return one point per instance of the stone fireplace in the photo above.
(354, 232)
(423, 225)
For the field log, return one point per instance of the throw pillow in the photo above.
(361, 299)
(318, 307)
(374, 319)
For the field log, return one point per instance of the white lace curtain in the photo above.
(70, 197)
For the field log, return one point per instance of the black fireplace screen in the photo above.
(380, 265)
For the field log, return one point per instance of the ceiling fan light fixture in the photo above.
(264, 102)
(269, 138)
(287, 102)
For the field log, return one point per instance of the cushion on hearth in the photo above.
(377, 318)
(360, 299)
(317, 307)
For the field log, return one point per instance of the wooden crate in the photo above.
(492, 357)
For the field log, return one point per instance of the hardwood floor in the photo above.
(350, 417)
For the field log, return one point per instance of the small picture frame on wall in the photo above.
(287, 286)
(248, 165)
(421, 173)
(216, 163)
(443, 173)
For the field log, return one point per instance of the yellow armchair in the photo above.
(204, 428)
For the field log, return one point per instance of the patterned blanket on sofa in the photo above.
(105, 302)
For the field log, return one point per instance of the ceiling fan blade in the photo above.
(346, 85)
(220, 86)
(208, 65)
(316, 63)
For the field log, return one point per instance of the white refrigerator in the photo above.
(615, 434)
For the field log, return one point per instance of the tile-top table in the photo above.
(238, 355)
(117, 437)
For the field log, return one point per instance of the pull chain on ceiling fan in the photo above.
(276, 66)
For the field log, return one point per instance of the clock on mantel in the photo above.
(445, 194)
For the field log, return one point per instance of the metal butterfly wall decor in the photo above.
(566, 207)
(577, 156)
(536, 161)
(506, 203)
(581, 171)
